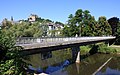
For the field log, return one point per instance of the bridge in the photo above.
(46, 45)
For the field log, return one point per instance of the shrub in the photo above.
(102, 48)
(10, 62)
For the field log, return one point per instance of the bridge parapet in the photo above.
(31, 40)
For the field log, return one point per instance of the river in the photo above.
(61, 64)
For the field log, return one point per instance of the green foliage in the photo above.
(26, 29)
(114, 21)
(6, 24)
(102, 48)
(59, 23)
(118, 34)
(98, 48)
(104, 29)
(84, 24)
(10, 62)
(84, 50)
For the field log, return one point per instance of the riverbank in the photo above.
(100, 48)
(117, 47)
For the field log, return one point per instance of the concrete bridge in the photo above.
(46, 45)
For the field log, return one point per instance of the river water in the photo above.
(61, 64)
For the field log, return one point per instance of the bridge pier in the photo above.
(107, 43)
(76, 54)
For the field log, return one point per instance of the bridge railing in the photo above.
(30, 40)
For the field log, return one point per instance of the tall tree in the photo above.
(79, 20)
(90, 27)
(114, 23)
(118, 34)
(72, 27)
(104, 27)
(81, 23)
(85, 24)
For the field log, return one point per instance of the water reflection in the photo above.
(109, 71)
(57, 64)
(49, 69)
(57, 57)
(112, 68)
(87, 65)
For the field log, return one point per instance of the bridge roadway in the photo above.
(51, 44)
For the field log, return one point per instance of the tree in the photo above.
(66, 31)
(25, 29)
(10, 63)
(6, 24)
(60, 23)
(71, 29)
(87, 24)
(114, 23)
(90, 27)
(118, 34)
(78, 20)
(44, 28)
(82, 24)
(104, 29)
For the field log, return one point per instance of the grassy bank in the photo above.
(84, 50)
(117, 47)
(99, 48)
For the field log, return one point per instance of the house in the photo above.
(54, 29)
(32, 18)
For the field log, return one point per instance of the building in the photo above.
(32, 18)
(54, 29)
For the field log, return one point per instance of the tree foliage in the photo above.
(10, 62)
(114, 23)
(84, 24)
(26, 29)
(104, 29)
(118, 34)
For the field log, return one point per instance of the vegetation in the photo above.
(97, 48)
(24, 29)
(115, 24)
(84, 24)
(10, 61)
(84, 49)
(102, 48)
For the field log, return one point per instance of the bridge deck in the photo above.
(77, 41)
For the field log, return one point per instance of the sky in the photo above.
(57, 10)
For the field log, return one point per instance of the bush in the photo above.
(84, 49)
(10, 62)
(102, 48)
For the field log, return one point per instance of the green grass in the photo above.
(100, 48)
(117, 47)
(84, 49)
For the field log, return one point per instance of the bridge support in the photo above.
(76, 54)
(107, 43)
